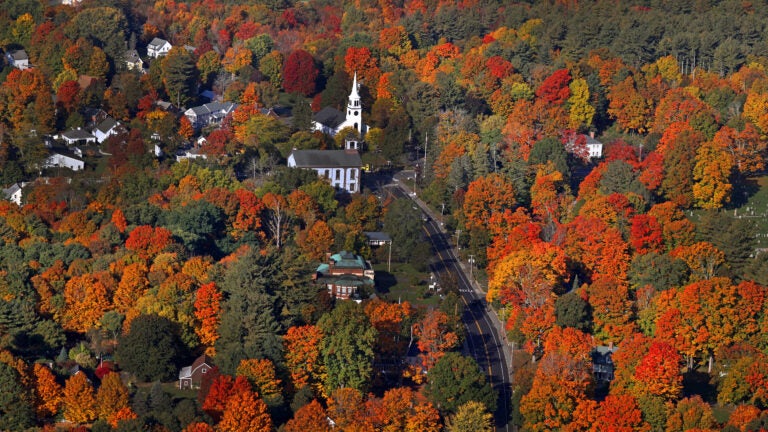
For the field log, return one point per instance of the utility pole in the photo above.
(471, 267)
(426, 143)
(458, 235)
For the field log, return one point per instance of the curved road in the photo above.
(483, 340)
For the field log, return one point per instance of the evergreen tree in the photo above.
(456, 380)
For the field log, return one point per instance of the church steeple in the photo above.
(354, 108)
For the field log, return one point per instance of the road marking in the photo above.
(464, 299)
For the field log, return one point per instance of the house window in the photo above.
(338, 174)
(204, 370)
(352, 174)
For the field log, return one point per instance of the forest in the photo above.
(115, 277)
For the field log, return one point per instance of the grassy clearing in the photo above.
(752, 203)
(404, 283)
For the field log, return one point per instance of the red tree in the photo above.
(300, 73)
(554, 90)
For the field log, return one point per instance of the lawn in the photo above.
(752, 203)
(404, 283)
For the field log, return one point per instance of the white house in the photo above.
(330, 121)
(13, 193)
(158, 48)
(208, 114)
(75, 136)
(341, 167)
(18, 59)
(594, 146)
(106, 129)
(133, 61)
(57, 159)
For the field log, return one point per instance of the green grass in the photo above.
(403, 283)
(751, 202)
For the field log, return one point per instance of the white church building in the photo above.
(330, 121)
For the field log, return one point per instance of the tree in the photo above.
(554, 89)
(316, 240)
(104, 26)
(79, 401)
(456, 380)
(486, 196)
(711, 175)
(245, 411)
(471, 417)
(179, 75)
(310, 417)
(147, 241)
(222, 388)
(550, 149)
(403, 223)
(347, 347)
(620, 412)
(111, 397)
(87, 298)
(16, 411)
(658, 372)
(691, 413)
(573, 311)
(261, 374)
(435, 337)
(302, 352)
(151, 349)
(300, 73)
(207, 311)
(48, 396)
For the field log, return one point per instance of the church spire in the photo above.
(353, 94)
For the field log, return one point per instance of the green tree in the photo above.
(249, 328)
(661, 271)
(152, 348)
(403, 223)
(456, 380)
(104, 26)
(347, 347)
(734, 237)
(550, 149)
(573, 311)
(16, 411)
(179, 75)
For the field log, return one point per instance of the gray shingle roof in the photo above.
(157, 42)
(326, 158)
(19, 55)
(330, 117)
(106, 125)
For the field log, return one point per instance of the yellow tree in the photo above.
(581, 112)
(79, 401)
(261, 374)
(111, 397)
(711, 174)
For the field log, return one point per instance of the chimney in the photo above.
(592, 134)
(610, 346)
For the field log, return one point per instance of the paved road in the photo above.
(483, 340)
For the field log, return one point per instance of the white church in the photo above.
(330, 121)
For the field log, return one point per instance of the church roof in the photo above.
(326, 158)
(330, 117)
